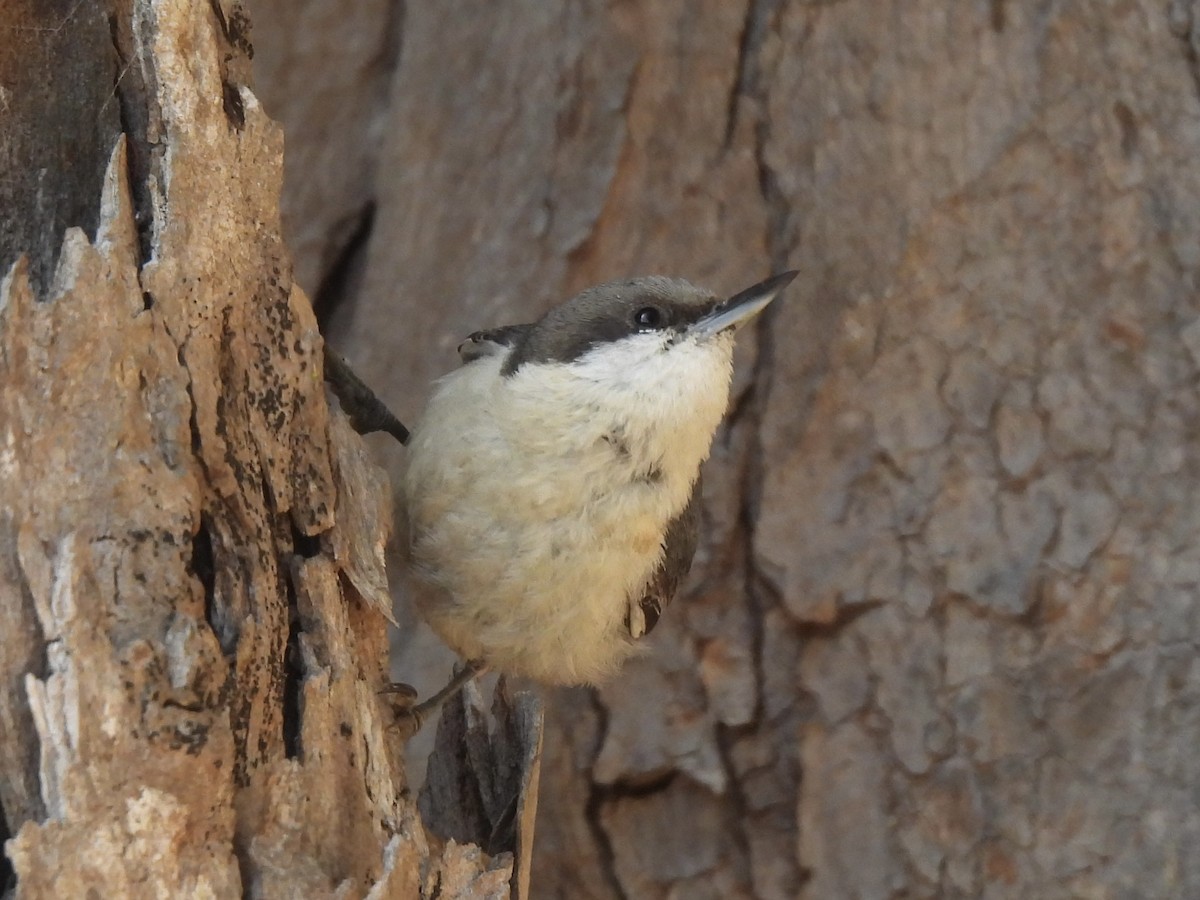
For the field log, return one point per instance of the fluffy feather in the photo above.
(538, 523)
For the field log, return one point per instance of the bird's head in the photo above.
(642, 331)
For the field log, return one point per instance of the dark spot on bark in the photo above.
(147, 300)
(239, 720)
(998, 15)
(191, 736)
(203, 568)
(306, 545)
(293, 677)
(344, 264)
(8, 875)
(238, 31)
(569, 118)
(346, 730)
(1129, 128)
(231, 101)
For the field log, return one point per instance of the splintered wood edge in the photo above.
(531, 723)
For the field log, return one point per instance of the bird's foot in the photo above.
(412, 715)
(401, 699)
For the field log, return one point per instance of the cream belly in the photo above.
(537, 504)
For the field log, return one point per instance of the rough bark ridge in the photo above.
(191, 585)
(941, 637)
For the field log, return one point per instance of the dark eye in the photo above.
(648, 317)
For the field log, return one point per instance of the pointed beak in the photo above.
(741, 307)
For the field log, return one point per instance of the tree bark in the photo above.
(940, 637)
(192, 589)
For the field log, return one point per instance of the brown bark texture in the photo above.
(192, 593)
(940, 639)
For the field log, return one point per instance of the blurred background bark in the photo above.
(940, 638)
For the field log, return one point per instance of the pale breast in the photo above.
(538, 520)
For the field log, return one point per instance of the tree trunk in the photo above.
(940, 638)
(191, 550)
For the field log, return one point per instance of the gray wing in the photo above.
(679, 546)
(481, 344)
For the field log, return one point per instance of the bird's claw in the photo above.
(402, 701)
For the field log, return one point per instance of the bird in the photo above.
(553, 478)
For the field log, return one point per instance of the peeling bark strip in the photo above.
(482, 783)
(191, 572)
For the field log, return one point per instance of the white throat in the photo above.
(666, 400)
(538, 501)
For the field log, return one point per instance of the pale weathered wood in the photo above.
(483, 779)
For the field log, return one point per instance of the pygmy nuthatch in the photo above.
(553, 478)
